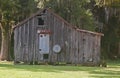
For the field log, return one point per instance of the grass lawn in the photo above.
(9, 70)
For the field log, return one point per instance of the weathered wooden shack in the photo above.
(47, 37)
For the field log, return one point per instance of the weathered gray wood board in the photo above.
(77, 46)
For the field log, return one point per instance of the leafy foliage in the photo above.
(113, 3)
(11, 12)
(27, 7)
(74, 11)
(111, 29)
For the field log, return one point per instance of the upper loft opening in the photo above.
(41, 18)
(40, 21)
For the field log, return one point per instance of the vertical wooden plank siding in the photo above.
(49, 17)
(37, 55)
(22, 44)
(26, 44)
(77, 47)
(15, 43)
(30, 55)
(19, 44)
(34, 53)
(80, 47)
(97, 50)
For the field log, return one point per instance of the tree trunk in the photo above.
(4, 55)
(0, 38)
(119, 49)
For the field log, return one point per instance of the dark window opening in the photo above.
(44, 10)
(39, 15)
(40, 21)
(45, 56)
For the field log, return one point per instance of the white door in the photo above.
(44, 43)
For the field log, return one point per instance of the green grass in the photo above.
(9, 70)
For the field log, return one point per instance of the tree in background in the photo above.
(11, 12)
(108, 12)
(74, 11)
(7, 11)
(27, 7)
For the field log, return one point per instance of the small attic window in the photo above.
(40, 21)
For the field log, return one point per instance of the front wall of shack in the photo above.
(25, 41)
(77, 47)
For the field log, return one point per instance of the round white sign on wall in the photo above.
(56, 48)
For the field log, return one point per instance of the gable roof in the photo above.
(60, 18)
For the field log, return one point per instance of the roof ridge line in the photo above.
(59, 17)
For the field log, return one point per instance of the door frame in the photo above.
(45, 46)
